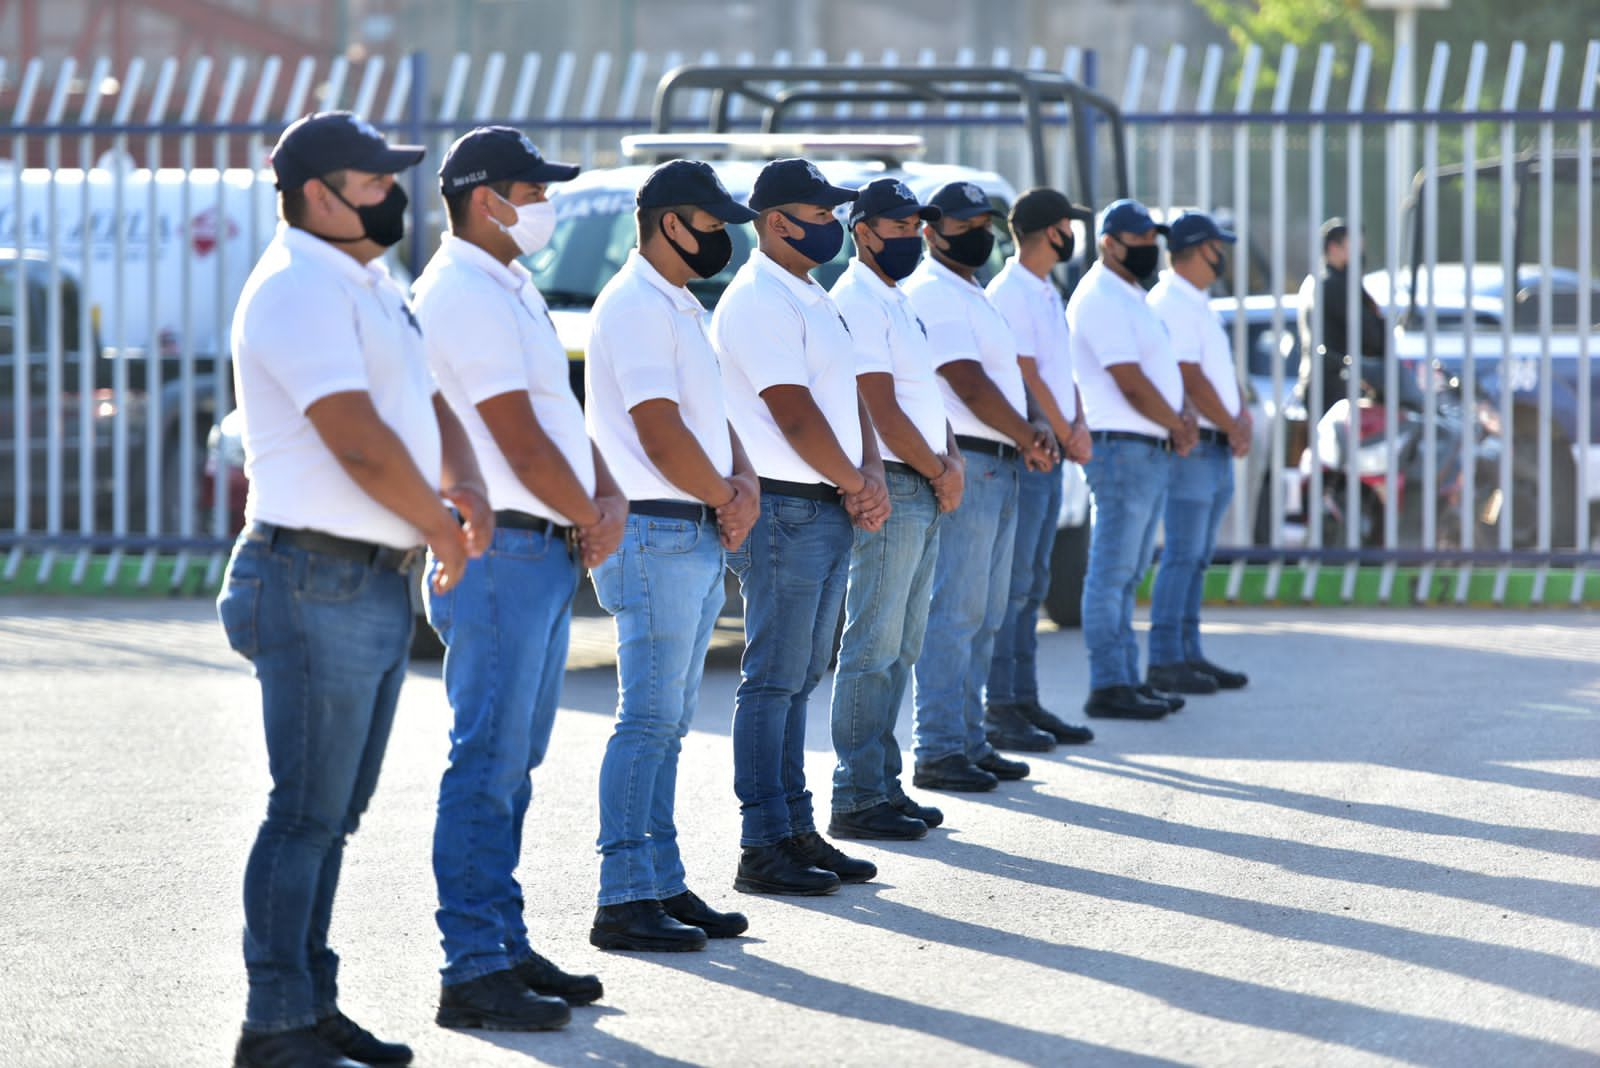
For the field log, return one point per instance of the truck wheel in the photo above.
(1069, 560)
(1525, 491)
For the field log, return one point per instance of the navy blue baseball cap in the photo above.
(691, 183)
(1195, 228)
(796, 181)
(890, 198)
(1127, 216)
(328, 141)
(497, 154)
(962, 200)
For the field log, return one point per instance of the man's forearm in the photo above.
(459, 463)
(1198, 390)
(984, 400)
(1043, 398)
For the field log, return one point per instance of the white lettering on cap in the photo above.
(464, 179)
(974, 194)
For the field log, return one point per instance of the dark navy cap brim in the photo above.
(729, 211)
(925, 212)
(392, 159)
(973, 211)
(829, 196)
(547, 171)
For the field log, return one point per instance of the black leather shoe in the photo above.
(644, 926)
(1173, 702)
(1003, 769)
(499, 1001)
(882, 820)
(359, 1044)
(543, 977)
(1226, 680)
(823, 854)
(926, 813)
(1005, 728)
(1180, 678)
(954, 772)
(780, 869)
(300, 1048)
(1063, 732)
(689, 909)
(1122, 702)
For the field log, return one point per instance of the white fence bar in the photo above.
(1352, 474)
(1584, 437)
(1508, 262)
(1470, 100)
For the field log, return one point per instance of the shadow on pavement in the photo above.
(580, 1044)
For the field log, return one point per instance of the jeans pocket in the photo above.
(320, 577)
(669, 537)
(903, 487)
(794, 510)
(607, 579)
(238, 607)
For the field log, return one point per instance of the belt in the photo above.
(686, 510)
(509, 520)
(984, 445)
(1164, 444)
(904, 469)
(1215, 437)
(315, 541)
(811, 491)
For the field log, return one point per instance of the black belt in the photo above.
(1164, 444)
(904, 469)
(1215, 437)
(693, 513)
(509, 520)
(811, 491)
(984, 445)
(315, 541)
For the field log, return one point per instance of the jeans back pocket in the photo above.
(239, 606)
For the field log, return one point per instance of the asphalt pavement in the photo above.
(1385, 851)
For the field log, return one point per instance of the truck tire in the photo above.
(1069, 560)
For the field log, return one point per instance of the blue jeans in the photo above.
(1128, 482)
(1198, 492)
(504, 627)
(664, 586)
(792, 571)
(1014, 672)
(329, 639)
(885, 617)
(971, 585)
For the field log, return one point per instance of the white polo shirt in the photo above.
(1111, 323)
(963, 325)
(488, 333)
(649, 341)
(1197, 336)
(773, 329)
(890, 339)
(311, 322)
(1032, 307)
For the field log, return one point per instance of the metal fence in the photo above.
(139, 201)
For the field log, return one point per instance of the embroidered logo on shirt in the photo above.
(405, 309)
(921, 325)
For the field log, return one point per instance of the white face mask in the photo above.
(535, 223)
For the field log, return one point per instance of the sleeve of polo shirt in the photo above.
(1014, 309)
(306, 339)
(949, 332)
(869, 334)
(474, 333)
(1109, 335)
(1186, 333)
(638, 337)
(766, 339)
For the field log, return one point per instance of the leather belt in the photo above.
(811, 491)
(510, 520)
(664, 509)
(1215, 437)
(1164, 444)
(904, 469)
(315, 541)
(986, 446)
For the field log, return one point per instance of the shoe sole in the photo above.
(835, 831)
(958, 788)
(574, 1001)
(633, 943)
(1008, 777)
(1126, 715)
(458, 1020)
(755, 886)
(1027, 747)
(857, 878)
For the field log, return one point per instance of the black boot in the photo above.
(359, 1044)
(499, 1001)
(1180, 678)
(926, 813)
(1227, 680)
(954, 772)
(1003, 769)
(1005, 728)
(300, 1048)
(543, 977)
(882, 821)
(643, 925)
(687, 908)
(1063, 732)
(1122, 702)
(780, 869)
(821, 853)
(1173, 702)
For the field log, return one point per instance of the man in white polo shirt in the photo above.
(348, 449)
(789, 371)
(1133, 400)
(1201, 483)
(655, 408)
(1024, 293)
(500, 365)
(988, 408)
(891, 570)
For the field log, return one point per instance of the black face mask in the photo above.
(383, 223)
(1218, 265)
(970, 249)
(716, 249)
(899, 255)
(1141, 260)
(1064, 247)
